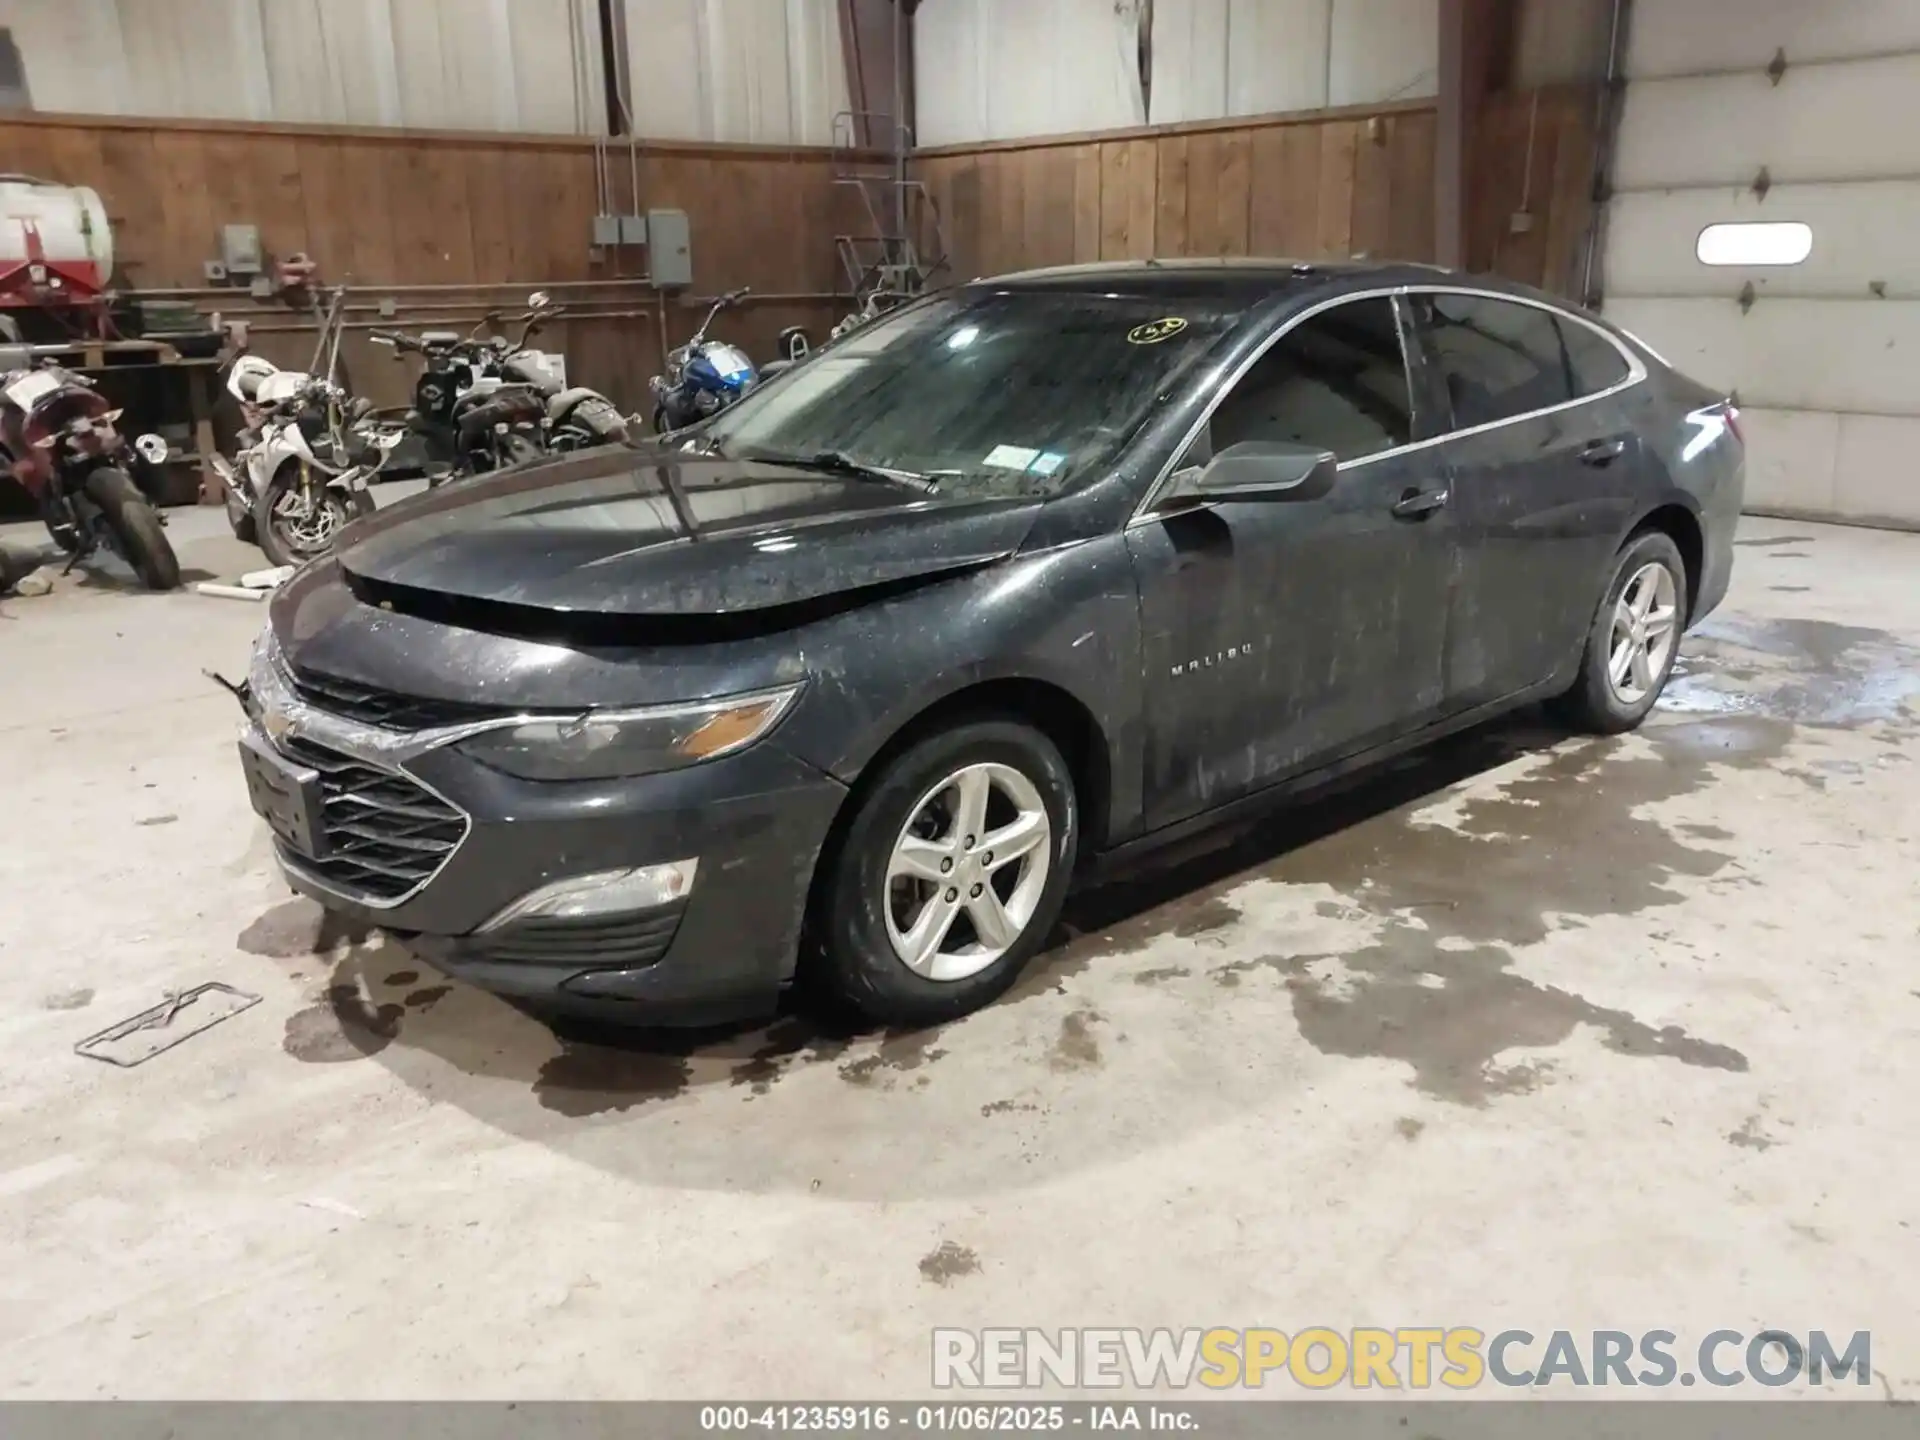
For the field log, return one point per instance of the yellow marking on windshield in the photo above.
(1154, 331)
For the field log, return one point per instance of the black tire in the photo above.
(135, 526)
(659, 419)
(855, 954)
(1591, 703)
(281, 549)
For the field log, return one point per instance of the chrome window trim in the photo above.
(1636, 373)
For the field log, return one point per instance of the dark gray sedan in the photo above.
(1030, 572)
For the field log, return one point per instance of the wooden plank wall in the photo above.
(1314, 185)
(384, 210)
(1535, 156)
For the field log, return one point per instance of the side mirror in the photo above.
(1263, 470)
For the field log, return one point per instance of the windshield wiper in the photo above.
(838, 462)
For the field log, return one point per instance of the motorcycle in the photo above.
(307, 450)
(61, 441)
(486, 404)
(703, 376)
(303, 474)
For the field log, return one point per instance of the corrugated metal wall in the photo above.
(1005, 69)
(1214, 58)
(760, 71)
(769, 71)
(1002, 69)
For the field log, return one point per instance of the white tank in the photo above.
(70, 218)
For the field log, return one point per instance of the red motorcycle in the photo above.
(60, 440)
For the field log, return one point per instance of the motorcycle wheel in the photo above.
(135, 527)
(293, 526)
(659, 420)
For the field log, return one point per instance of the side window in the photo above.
(1337, 381)
(1499, 359)
(1597, 362)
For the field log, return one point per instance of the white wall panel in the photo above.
(1383, 50)
(1845, 121)
(434, 64)
(1216, 58)
(1791, 456)
(744, 71)
(1677, 37)
(1863, 231)
(1853, 355)
(1002, 69)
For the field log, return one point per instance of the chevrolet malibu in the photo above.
(1030, 574)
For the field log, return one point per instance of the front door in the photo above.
(1283, 634)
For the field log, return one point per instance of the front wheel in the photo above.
(134, 526)
(1635, 636)
(299, 515)
(950, 875)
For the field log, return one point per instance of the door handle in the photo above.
(1417, 504)
(1603, 452)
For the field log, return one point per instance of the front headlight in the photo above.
(605, 744)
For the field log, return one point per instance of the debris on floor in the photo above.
(141, 1037)
(37, 582)
(254, 585)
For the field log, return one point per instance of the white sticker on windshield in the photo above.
(1010, 457)
(1048, 463)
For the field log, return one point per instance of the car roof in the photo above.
(1245, 279)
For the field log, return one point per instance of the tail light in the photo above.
(1732, 413)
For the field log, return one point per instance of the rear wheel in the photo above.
(951, 874)
(135, 527)
(1635, 636)
(298, 515)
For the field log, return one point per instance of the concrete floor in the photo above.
(1534, 1032)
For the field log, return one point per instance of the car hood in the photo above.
(620, 532)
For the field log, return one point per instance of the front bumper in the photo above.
(755, 821)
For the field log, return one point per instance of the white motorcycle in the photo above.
(307, 452)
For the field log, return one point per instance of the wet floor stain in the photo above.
(1076, 1047)
(1161, 974)
(343, 1026)
(1771, 542)
(1009, 1107)
(948, 1262)
(426, 997)
(1749, 1137)
(403, 977)
(1789, 589)
(1409, 1128)
(298, 928)
(68, 1000)
(157, 820)
(585, 1080)
(1206, 918)
(900, 1053)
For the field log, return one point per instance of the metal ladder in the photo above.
(905, 243)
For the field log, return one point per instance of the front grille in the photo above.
(622, 941)
(385, 835)
(388, 709)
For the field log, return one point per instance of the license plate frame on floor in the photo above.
(286, 796)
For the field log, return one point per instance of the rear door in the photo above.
(1279, 634)
(1543, 462)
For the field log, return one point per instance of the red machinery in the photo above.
(56, 255)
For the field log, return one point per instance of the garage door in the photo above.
(1765, 235)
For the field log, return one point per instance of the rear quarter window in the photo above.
(1499, 358)
(1596, 361)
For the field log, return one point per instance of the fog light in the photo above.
(604, 892)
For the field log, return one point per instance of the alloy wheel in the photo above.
(307, 517)
(967, 871)
(1646, 627)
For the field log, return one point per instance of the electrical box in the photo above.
(606, 230)
(669, 249)
(240, 249)
(633, 229)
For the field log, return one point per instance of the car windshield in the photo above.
(1015, 392)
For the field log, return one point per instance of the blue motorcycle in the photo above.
(703, 376)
